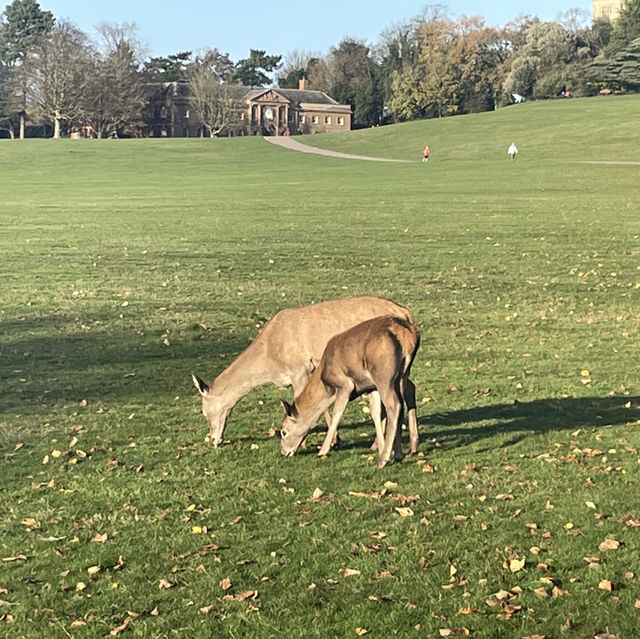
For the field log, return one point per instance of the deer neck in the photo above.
(245, 373)
(314, 400)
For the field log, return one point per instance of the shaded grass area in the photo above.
(126, 266)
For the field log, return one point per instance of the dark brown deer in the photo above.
(374, 355)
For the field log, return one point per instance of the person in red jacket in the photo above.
(426, 152)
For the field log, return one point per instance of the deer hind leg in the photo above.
(379, 419)
(392, 400)
(409, 393)
(339, 406)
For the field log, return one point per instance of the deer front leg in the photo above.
(298, 384)
(339, 406)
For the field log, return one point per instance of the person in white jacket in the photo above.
(512, 151)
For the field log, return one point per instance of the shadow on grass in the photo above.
(521, 418)
(518, 420)
(52, 360)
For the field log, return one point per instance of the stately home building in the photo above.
(606, 9)
(270, 111)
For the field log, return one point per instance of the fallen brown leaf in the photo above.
(349, 572)
(450, 632)
(16, 558)
(121, 627)
(609, 544)
(247, 594)
(605, 584)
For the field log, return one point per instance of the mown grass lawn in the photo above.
(127, 265)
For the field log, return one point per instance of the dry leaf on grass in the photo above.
(516, 564)
(349, 572)
(609, 544)
(121, 627)
(451, 632)
(247, 594)
(19, 557)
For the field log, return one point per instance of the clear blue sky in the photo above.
(278, 26)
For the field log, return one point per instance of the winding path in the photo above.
(293, 145)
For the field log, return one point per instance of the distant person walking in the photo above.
(512, 151)
(426, 152)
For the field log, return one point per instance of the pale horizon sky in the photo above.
(280, 26)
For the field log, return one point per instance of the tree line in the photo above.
(432, 65)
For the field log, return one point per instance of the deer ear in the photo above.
(203, 389)
(289, 409)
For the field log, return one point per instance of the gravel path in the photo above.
(293, 145)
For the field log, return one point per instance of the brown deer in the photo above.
(286, 352)
(374, 355)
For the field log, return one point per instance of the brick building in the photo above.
(267, 111)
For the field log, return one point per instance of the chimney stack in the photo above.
(302, 84)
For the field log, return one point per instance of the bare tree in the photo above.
(214, 101)
(58, 73)
(115, 98)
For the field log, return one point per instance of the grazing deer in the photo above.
(286, 352)
(374, 355)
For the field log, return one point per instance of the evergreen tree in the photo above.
(626, 27)
(252, 71)
(23, 23)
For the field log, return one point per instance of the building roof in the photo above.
(303, 98)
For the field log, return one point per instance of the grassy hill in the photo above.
(127, 265)
(565, 130)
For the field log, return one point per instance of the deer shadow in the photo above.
(465, 426)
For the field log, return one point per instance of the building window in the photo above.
(163, 112)
(314, 119)
(327, 119)
(303, 119)
(186, 114)
(340, 120)
(290, 116)
(242, 116)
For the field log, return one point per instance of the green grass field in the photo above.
(127, 265)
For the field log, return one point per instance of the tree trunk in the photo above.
(56, 128)
(22, 126)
